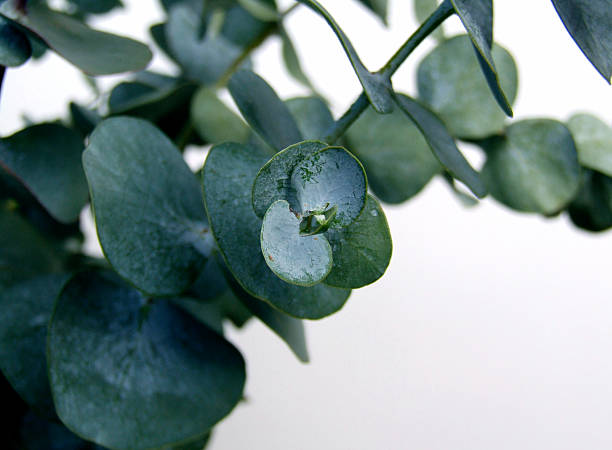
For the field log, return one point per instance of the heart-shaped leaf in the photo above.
(149, 214)
(450, 81)
(589, 23)
(26, 310)
(312, 116)
(215, 122)
(296, 259)
(361, 251)
(534, 167)
(47, 160)
(15, 48)
(591, 209)
(263, 110)
(593, 139)
(376, 86)
(442, 144)
(227, 178)
(119, 362)
(397, 159)
(94, 52)
(477, 18)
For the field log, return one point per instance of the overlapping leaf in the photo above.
(214, 121)
(15, 48)
(593, 139)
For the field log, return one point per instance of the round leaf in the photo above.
(15, 48)
(397, 159)
(593, 140)
(301, 260)
(147, 203)
(450, 81)
(329, 178)
(129, 372)
(534, 167)
(227, 179)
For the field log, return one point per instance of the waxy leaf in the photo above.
(534, 167)
(263, 110)
(591, 209)
(593, 139)
(227, 178)
(215, 122)
(273, 181)
(442, 144)
(15, 48)
(397, 159)
(130, 372)
(449, 80)
(26, 310)
(94, 52)
(589, 23)
(361, 251)
(312, 116)
(377, 87)
(477, 18)
(47, 160)
(329, 178)
(147, 204)
(296, 259)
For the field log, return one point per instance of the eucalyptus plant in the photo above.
(283, 221)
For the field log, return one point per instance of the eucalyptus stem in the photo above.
(443, 12)
(342, 124)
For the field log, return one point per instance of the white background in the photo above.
(490, 330)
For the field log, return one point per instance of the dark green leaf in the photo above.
(228, 175)
(214, 121)
(377, 6)
(397, 159)
(450, 81)
(589, 23)
(206, 312)
(477, 18)
(83, 120)
(131, 372)
(534, 167)
(591, 209)
(37, 433)
(158, 33)
(442, 144)
(296, 259)
(312, 116)
(92, 51)
(149, 214)
(15, 48)
(263, 110)
(96, 6)
(242, 29)
(26, 310)
(593, 139)
(376, 86)
(361, 251)
(47, 160)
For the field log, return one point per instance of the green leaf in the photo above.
(131, 372)
(449, 81)
(242, 29)
(94, 52)
(227, 178)
(38, 433)
(292, 60)
(379, 7)
(215, 122)
(82, 119)
(47, 160)
(273, 181)
(206, 312)
(361, 251)
(96, 6)
(377, 87)
(589, 23)
(477, 18)
(260, 10)
(312, 116)
(397, 159)
(331, 177)
(593, 139)
(263, 110)
(24, 253)
(534, 167)
(442, 144)
(149, 214)
(591, 209)
(422, 10)
(26, 310)
(15, 48)
(296, 259)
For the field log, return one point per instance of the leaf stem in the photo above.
(443, 12)
(342, 124)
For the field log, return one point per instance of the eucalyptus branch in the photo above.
(342, 124)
